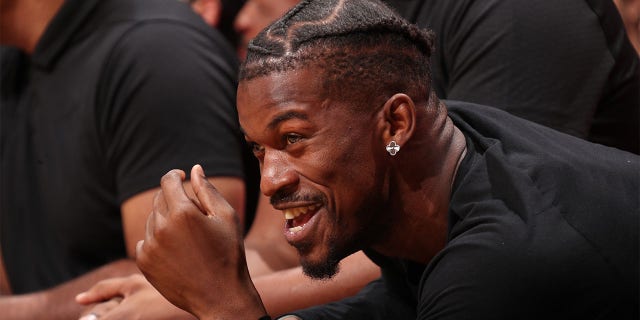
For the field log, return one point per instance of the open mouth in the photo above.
(297, 217)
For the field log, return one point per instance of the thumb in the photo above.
(211, 201)
(101, 291)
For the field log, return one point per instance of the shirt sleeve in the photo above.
(167, 98)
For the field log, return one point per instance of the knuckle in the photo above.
(172, 174)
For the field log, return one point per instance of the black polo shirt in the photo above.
(118, 93)
(541, 225)
(565, 64)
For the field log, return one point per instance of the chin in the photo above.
(323, 270)
(320, 264)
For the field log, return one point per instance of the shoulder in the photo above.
(160, 41)
(158, 33)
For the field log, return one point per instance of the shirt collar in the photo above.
(61, 30)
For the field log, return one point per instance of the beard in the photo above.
(322, 270)
(370, 224)
(329, 265)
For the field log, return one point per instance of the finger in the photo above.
(123, 311)
(159, 202)
(208, 196)
(197, 203)
(139, 252)
(173, 190)
(89, 316)
(100, 309)
(150, 226)
(158, 213)
(113, 310)
(103, 290)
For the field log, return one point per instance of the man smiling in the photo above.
(470, 212)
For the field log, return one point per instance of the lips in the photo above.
(297, 217)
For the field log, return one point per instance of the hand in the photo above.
(193, 251)
(101, 309)
(129, 298)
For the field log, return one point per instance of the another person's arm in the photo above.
(58, 302)
(164, 92)
(55, 303)
(273, 265)
(267, 251)
(291, 289)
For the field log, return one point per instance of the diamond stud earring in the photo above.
(393, 148)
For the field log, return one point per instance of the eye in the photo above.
(292, 138)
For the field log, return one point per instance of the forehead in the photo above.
(260, 97)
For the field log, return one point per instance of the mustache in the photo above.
(281, 197)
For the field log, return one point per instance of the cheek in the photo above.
(342, 161)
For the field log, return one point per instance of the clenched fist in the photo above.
(193, 251)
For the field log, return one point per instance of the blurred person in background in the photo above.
(567, 65)
(102, 98)
(255, 15)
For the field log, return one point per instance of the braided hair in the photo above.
(363, 48)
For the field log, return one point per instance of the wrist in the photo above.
(234, 311)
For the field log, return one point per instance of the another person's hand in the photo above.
(130, 297)
(193, 251)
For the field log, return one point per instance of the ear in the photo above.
(399, 119)
(209, 10)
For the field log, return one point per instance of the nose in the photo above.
(277, 173)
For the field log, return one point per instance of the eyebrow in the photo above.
(284, 117)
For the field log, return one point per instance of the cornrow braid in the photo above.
(359, 44)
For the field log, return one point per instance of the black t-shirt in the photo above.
(564, 64)
(542, 225)
(118, 93)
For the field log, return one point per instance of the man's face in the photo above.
(256, 15)
(317, 165)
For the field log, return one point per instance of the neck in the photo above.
(421, 188)
(25, 33)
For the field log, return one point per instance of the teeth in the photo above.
(288, 214)
(295, 229)
(293, 213)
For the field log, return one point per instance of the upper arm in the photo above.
(166, 100)
(136, 209)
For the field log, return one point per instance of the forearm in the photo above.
(266, 248)
(59, 302)
(290, 290)
(257, 265)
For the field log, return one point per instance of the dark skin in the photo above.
(314, 154)
(204, 235)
